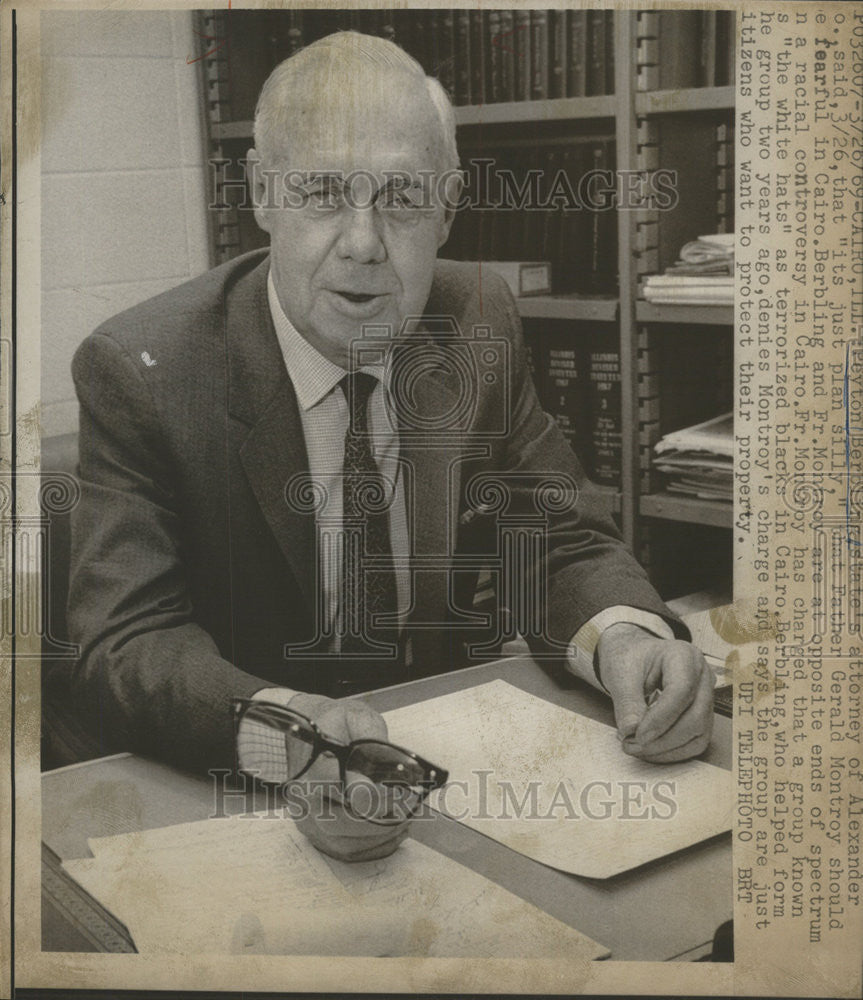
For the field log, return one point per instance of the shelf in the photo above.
(554, 109)
(717, 513)
(694, 315)
(665, 102)
(567, 307)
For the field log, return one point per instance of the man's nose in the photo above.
(361, 239)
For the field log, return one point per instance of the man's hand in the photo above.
(634, 666)
(325, 820)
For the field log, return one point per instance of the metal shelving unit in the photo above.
(626, 110)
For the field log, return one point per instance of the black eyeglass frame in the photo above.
(435, 777)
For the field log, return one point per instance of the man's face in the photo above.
(358, 220)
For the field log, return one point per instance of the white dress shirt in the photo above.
(325, 418)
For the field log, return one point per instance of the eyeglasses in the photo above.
(278, 745)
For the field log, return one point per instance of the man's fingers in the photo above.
(684, 673)
(688, 736)
(629, 704)
(692, 748)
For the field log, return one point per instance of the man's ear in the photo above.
(452, 183)
(258, 186)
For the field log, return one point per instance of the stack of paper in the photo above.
(698, 460)
(253, 884)
(703, 274)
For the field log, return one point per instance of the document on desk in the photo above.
(557, 786)
(253, 884)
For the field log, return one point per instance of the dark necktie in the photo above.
(367, 497)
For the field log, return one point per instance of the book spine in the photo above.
(522, 47)
(596, 52)
(539, 54)
(411, 35)
(531, 214)
(494, 90)
(568, 257)
(601, 270)
(565, 387)
(724, 48)
(559, 56)
(609, 52)
(679, 49)
(576, 77)
(506, 56)
(446, 50)
(478, 43)
(462, 58)
(707, 67)
(604, 395)
(552, 214)
(387, 28)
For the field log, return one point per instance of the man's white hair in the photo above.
(332, 58)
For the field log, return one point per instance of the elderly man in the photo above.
(228, 428)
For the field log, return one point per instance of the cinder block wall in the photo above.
(123, 177)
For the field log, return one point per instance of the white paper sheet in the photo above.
(256, 886)
(557, 786)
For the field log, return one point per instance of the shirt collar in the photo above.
(313, 376)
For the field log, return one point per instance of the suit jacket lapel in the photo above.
(261, 396)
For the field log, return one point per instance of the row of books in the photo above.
(684, 48)
(550, 203)
(482, 56)
(578, 383)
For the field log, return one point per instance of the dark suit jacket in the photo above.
(191, 572)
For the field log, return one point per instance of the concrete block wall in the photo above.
(123, 177)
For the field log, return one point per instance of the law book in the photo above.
(601, 231)
(604, 405)
(576, 76)
(532, 214)
(565, 386)
(553, 199)
(569, 258)
(609, 52)
(412, 34)
(522, 48)
(463, 69)
(596, 24)
(707, 66)
(506, 55)
(559, 55)
(478, 45)
(539, 54)
(725, 45)
(445, 50)
(494, 82)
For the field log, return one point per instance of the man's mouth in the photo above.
(358, 296)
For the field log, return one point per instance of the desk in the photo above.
(667, 909)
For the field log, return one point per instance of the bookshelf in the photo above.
(648, 122)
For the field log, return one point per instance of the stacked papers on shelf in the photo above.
(697, 460)
(703, 274)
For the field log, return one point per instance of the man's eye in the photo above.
(323, 195)
(402, 198)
